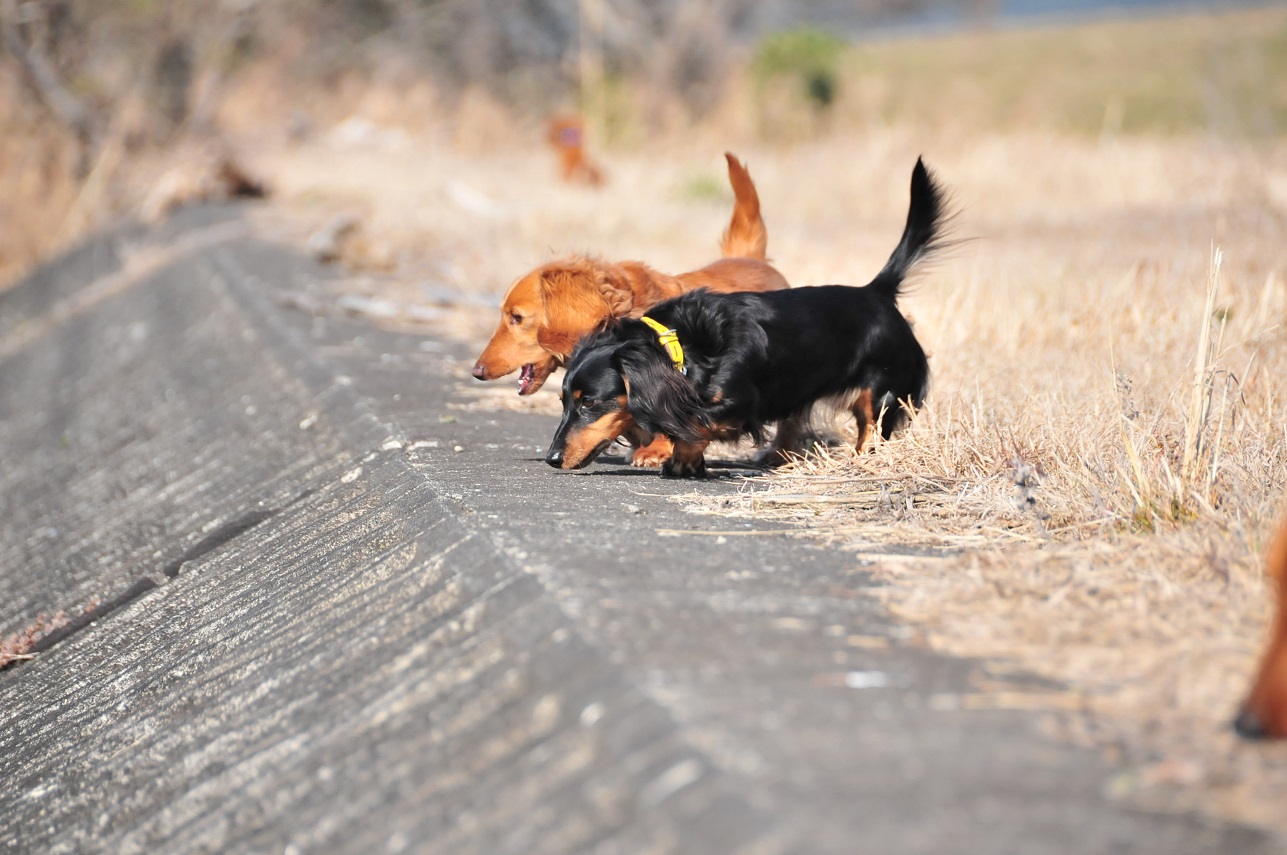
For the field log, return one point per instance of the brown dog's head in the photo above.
(1264, 713)
(514, 345)
(546, 313)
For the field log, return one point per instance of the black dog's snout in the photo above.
(555, 458)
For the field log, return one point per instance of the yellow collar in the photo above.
(670, 340)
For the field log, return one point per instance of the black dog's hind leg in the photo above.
(789, 439)
(872, 409)
(865, 418)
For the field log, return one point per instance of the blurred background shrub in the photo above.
(91, 90)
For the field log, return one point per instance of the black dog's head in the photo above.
(595, 408)
(618, 381)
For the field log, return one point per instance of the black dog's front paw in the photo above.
(674, 468)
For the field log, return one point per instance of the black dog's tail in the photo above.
(921, 236)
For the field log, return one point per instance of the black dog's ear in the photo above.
(606, 334)
(660, 399)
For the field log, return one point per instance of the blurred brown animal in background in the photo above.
(566, 134)
(549, 309)
(1264, 713)
(209, 173)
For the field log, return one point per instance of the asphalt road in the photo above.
(332, 614)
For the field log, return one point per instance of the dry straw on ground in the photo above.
(1102, 454)
(1099, 464)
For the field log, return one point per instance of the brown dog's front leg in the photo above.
(686, 461)
(655, 453)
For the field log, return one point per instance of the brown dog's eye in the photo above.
(515, 318)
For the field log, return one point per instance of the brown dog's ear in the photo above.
(572, 305)
(617, 294)
(559, 342)
(578, 298)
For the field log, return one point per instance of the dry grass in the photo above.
(1200, 70)
(1102, 454)
(35, 170)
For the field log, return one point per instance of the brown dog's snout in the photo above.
(480, 373)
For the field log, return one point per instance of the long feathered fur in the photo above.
(922, 235)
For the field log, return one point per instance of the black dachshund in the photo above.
(705, 366)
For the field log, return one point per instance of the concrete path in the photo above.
(332, 615)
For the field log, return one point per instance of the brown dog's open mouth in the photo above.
(526, 376)
(532, 377)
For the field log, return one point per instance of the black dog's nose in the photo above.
(555, 459)
(479, 372)
(1249, 726)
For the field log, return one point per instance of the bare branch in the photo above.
(42, 78)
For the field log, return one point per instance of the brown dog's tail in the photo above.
(746, 236)
(1264, 713)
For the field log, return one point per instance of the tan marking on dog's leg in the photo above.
(864, 417)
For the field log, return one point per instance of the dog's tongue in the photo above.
(525, 377)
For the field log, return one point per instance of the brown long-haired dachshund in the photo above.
(549, 309)
(1264, 713)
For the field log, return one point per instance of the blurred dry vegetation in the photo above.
(1104, 450)
(99, 100)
